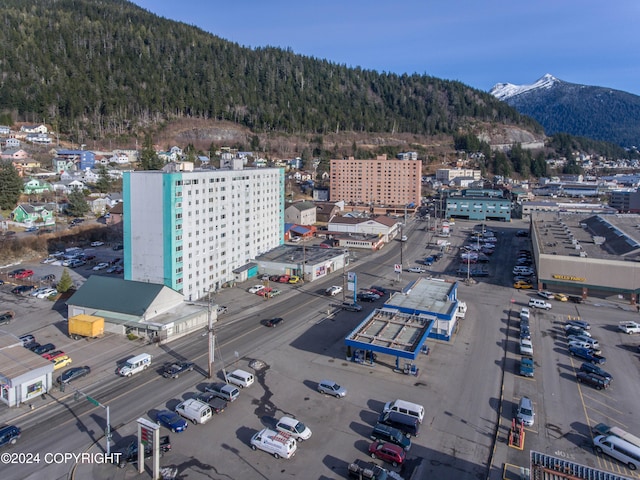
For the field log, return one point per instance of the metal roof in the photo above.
(546, 467)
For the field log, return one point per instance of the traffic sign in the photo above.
(397, 268)
(93, 400)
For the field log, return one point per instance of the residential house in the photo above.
(301, 213)
(34, 185)
(114, 198)
(90, 176)
(99, 205)
(10, 142)
(34, 129)
(325, 211)
(85, 158)
(4, 130)
(63, 164)
(31, 213)
(115, 214)
(38, 138)
(14, 154)
(24, 165)
(67, 186)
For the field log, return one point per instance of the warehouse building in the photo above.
(479, 205)
(587, 255)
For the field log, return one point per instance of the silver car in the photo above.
(526, 412)
(331, 388)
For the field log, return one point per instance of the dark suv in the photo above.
(591, 368)
(388, 434)
(594, 380)
(9, 435)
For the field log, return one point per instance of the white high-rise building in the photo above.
(189, 230)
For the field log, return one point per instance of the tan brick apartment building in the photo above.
(378, 181)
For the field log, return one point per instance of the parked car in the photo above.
(174, 369)
(571, 330)
(293, 427)
(561, 297)
(526, 412)
(578, 324)
(387, 452)
(73, 374)
(522, 284)
(416, 270)
(97, 244)
(13, 273)
(590, 341)
(100, 266)
(274, 322)
(75, 263)
(367, 297)
(265, 292)
(6, 317)
(283, 279)
(587, 345)
(27, 340)
(591, 368)
(171, 420)
(385, 433)
(575, 299)
(47, 292)
(47, 347)
(526, 347)
(24, 274)
(22, 289)
(61, 361)
(545, 294)
(330, 387)
(256, 288)
(53, 355)
(223, 390)
(216, 403)
(294, 279)
(527, 368)
(593, 380)
(118, 247)
(130, 453)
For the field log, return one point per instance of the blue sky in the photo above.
(478, 42)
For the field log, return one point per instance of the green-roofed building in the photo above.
(147, 310)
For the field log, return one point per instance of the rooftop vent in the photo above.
(599, 240)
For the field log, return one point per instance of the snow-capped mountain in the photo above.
(595, 112)
(504, 91)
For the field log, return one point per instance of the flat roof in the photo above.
(298, 254)
(547, 467)
(424, 295)
(16, 361)
(391, 332)
(608, 237)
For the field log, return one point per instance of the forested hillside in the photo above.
(97, 68)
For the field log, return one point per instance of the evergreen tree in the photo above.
(77, 205)
(149, 159)
(11, 186)
(103, 185)
(65, 283)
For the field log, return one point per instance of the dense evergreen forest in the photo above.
(98, 68)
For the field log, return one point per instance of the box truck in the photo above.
(87, 326)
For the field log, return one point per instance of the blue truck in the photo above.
(587, 354)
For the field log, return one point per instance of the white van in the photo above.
(194, 410)
(407, 408)
(240, 378)
(277, 443)
(620, 449)
(135, 364)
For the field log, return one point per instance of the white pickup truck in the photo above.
(629, 327)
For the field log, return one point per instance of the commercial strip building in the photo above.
(597, 255)
(535, 206)
(24, 375)
(381, 182)
(310, 263)
(482, 205)
(190, 229)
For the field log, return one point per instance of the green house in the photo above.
(33, 185)
(33, 213)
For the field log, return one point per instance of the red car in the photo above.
(264, 291)
(387, 452)
(284, 279)
(53, 355)
(24, 274)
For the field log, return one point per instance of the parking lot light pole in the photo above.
(211, 337)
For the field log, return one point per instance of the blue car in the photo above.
(171, 420)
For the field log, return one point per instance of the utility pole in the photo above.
(211, 336)
(107, 430)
